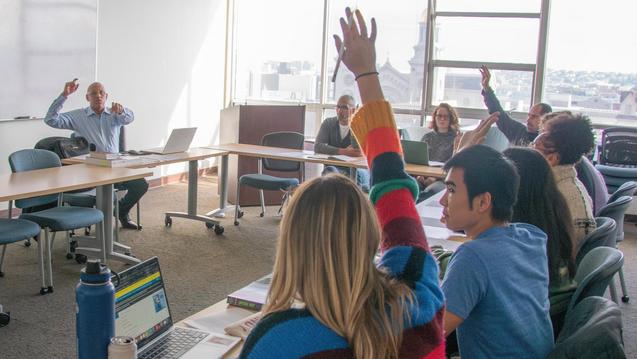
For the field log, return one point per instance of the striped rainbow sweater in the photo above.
(295, 333)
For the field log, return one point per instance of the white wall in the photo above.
(162, 58)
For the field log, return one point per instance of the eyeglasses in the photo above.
(442, 116)
(344, 107)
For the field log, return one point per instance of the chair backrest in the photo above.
(602, 236)
(616, 211)
(627, 189)
(593, 181)
(122, 138)
(33, 159)
(595, 272)
(619, 146)
(285, 139)
(592, 329)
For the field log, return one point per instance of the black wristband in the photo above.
(365, 74)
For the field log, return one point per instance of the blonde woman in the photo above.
(328, 298)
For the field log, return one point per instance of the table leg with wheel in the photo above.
(193, 173)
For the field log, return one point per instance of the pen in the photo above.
(342, 49)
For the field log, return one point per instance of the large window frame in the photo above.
(536, 69)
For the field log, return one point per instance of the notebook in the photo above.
(179, 141)
(415, 152)
(142, 312)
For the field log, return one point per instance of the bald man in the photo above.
(100, 126)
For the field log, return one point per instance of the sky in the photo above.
(583, 35)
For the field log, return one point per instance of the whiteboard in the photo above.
(43, 44)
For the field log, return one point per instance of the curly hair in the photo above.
(571, 136)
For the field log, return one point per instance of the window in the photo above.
(399, 50)
(278, 56)
(591, 60)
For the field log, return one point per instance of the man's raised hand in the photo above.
(486, 77)
(70, 87)
(117, 108)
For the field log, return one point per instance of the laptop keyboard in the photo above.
(175, 344)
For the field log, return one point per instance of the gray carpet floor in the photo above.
(199, 268)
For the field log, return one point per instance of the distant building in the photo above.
(628, 102)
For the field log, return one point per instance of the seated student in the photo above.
(335, 138)
(496, 284)
(445, 125)
(566, 138)
(590, 176)
(100, 126)
(541, 204)
(327, 298)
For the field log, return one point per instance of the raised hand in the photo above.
(117, 108)
(486, 77)
(70, 87)
(360, 54)
(478, 135)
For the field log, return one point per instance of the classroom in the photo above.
(241, 95)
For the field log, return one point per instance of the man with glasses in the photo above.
(335, 138)
(517, 133)
(100, 126)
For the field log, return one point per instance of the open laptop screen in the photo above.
(141, 306)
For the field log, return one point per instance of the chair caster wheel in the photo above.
(5, 318)
(219, 230)
(27, 243)
(261, 214)
(168, 221)
(42, 291)
(236, 223)
(49, 290)
(240, 214)
(69, 256)
(80, 258)
(625, 299)
(209, 225)
(2, 275)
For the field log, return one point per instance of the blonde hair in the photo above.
(328, 238)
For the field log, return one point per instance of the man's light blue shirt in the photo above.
(101, 130)
(498, 284)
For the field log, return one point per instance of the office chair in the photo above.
(293, 140)
(592, 330)
(616, 210)
(618, 156)
(595, 272)
(602, 236)
(86, 198)
(53, 219)
(627, 189)
(11, 231)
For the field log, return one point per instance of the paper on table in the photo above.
(217, 322)
(215, 346)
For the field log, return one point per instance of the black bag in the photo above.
(64, 147)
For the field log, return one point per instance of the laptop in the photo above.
(179, 141)
(415, 152)
(142, 312)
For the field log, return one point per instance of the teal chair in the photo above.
(616, 210)
(54, 219)
(11, 231)
(594, 273)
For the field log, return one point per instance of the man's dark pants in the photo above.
(135, 190)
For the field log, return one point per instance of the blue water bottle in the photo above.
(95, 311)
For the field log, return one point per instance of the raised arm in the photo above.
(510, 127)
(53, 116)
(405, 252)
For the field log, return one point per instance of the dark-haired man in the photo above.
(566, 138)
(517, 133)
(496, 284)
(335, 138)
(100, 126)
